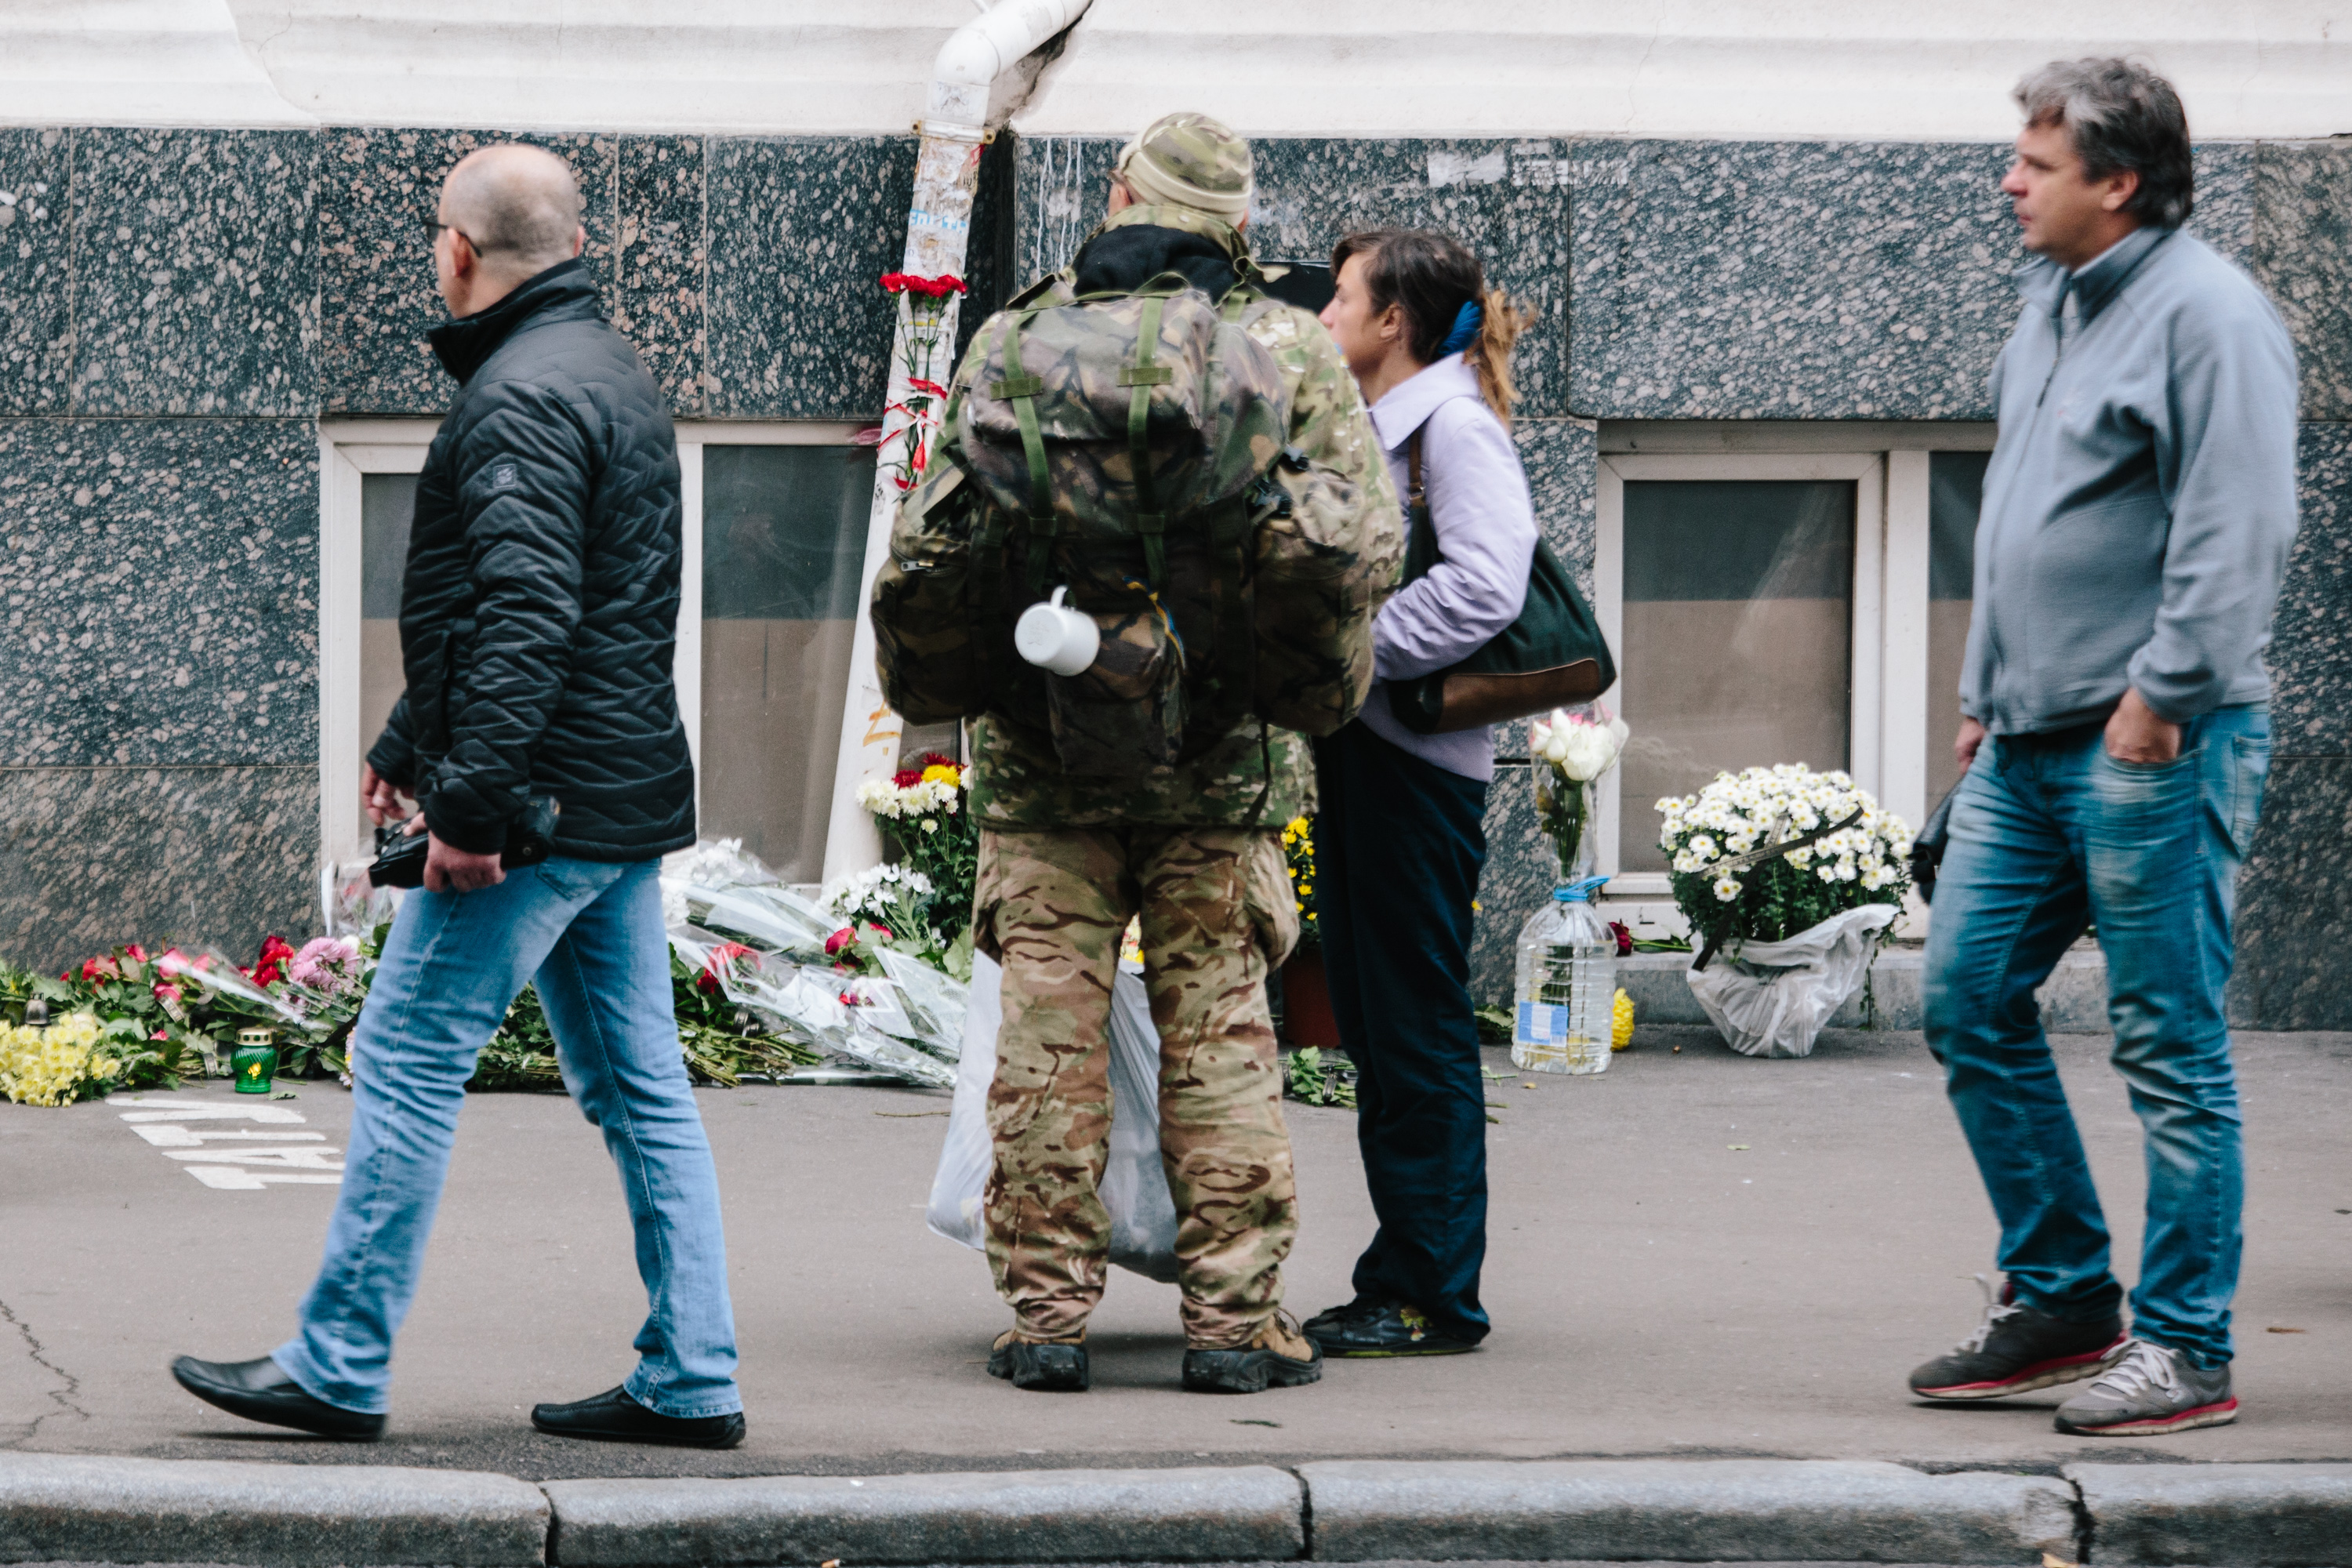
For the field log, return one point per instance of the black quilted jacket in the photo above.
(540, 608)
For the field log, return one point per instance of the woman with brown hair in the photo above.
(1398, 826)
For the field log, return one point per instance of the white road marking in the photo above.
(297, 1159)
(237, 1179)
(291, 1159)
(175, 1135)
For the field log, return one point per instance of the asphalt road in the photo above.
(1657, 1290)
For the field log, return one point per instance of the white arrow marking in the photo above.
(282, 1159)
(276, 1115)
(171, 1135)
(237, 1178)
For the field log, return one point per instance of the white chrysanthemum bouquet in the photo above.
(1734, 886)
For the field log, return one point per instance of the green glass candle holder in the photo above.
(255, 1062)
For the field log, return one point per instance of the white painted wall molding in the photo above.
(133, 63)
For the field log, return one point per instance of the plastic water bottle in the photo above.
(1567, 988)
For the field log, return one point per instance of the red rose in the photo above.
(137, 951)
(100, 969)
(839, 940)
(1625, 938)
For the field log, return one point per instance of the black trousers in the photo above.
(1398, 843)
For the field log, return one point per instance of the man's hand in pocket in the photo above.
(2135, 734)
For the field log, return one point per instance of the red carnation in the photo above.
(724, 954)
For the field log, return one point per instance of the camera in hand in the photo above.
(400, 854)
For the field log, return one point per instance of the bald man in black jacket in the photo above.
(538, 624)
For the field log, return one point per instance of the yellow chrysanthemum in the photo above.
(1621, 1023)
(50, 1066)
(943, 773)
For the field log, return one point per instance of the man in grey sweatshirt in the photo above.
(2137, 515)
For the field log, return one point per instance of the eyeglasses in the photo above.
(434, 226)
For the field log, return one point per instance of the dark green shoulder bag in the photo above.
(1551, 656)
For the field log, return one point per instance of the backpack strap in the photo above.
(1020, 389)
(1143, 375)
(1414, 496)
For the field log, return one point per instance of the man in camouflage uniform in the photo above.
(1065, 862)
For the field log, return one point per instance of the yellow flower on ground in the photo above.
(1621, 1023)
(51, 1066)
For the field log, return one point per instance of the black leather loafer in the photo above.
(613, 1417)
(260, 1391)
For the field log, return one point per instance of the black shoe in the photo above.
(1383, 1330)
(1333, 1318)
(1049, 1366)
(260, 1391)
(2017, 1349)
(1282, 1356)
(613, 1417)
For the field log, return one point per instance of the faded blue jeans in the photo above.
(590, 934)
(2048, 832)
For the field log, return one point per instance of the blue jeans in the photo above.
(591, 935)
(2048, 832)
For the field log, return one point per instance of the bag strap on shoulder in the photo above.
(1142, 376)
(1414, 496)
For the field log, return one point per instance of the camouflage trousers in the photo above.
(1216, 914)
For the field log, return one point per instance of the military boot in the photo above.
(1051, 1366)
(1282, 1356)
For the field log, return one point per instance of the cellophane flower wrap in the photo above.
(1570, 748)
(1863, 863)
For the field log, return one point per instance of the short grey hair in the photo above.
(2121, 116)
(516, 200)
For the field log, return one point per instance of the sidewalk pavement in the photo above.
(1693, 1256)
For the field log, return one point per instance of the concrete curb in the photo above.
(2219, 1516)
(1697, 1510)
(2074, 999)
(99, 1509)
(1199, 1514)
(94, 1508)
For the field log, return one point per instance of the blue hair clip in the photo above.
(1466, 322)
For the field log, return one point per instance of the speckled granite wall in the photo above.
(1562, 458)
(2303, 255)
(160, 586)
(36, 271)
(378, 189)
(194, 288)
(90, 857)
(159, 591)
(1809, 280)
(2294, 902)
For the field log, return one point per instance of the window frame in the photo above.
(351, 449)
(1888, 466)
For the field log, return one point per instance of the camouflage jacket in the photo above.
(1258, 776)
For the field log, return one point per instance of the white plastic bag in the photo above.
(1774, 998)
(1135, 1184)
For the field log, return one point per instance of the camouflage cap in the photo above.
(1189, 160)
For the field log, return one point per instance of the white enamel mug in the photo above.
(1057, 637)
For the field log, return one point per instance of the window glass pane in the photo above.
(1739, 636)
(783, 545)
(1955, 491)
(387, 504)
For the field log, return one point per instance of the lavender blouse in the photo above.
(1485, 524)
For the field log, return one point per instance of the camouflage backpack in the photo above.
(1131, 447)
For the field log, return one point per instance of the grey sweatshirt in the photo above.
(2140, 502)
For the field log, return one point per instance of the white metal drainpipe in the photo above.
(939, 233)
